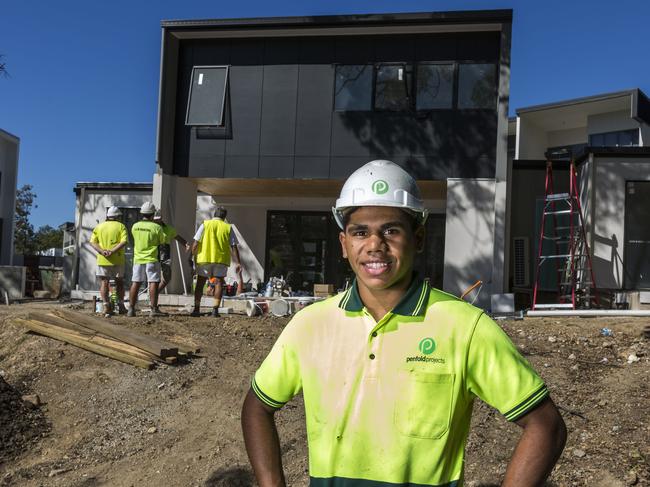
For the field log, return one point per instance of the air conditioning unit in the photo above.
(521, 268)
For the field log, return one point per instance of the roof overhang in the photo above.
(105, 186)
(570, 114)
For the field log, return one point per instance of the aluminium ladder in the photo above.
(570, 254)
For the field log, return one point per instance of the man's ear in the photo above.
(420, 233)
(342, 238)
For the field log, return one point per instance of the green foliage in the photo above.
(3, 67)
(47, 237)
(24, 242)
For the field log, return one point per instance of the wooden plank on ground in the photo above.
(58, 321)
(150, 344)
(68, 337)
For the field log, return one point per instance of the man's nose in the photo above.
(376, 241)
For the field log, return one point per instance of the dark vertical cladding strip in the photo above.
(283, 122)
(168, 104)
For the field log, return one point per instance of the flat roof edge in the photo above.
(112, 186)
(10, 136)
(578, 101)
(460, 16)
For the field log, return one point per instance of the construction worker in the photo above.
(109, 239)
(164, 250)
(214, 243)
(147, 236)
(390, 368)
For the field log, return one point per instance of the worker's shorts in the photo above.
(211, 270)
(166, 268)
(110, 271)
(149, 272)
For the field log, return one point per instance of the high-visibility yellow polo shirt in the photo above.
(214, 246)
(147, 236)
(107, 235)
(390, 402)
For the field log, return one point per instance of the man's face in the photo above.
(380, 244)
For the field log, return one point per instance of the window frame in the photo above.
(372, 88)
(410, 89)
(618, 138)
(495, 93)
(222, 116)
(454, 85)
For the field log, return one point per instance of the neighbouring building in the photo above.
(269, 116)
(608, 136)
(9, 145)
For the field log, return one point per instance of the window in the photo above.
(477, 86)
(621, 138)
(207, 97)
(435, 86)
(392, 87)
(353, 88)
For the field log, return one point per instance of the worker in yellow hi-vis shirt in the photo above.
(390, 368)
(214, 244)
(109, 239)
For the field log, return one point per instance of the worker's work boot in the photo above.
(107, 310)
(121, 309)
(195, 312)
(131, 313)
(215, 313)
(156, 312)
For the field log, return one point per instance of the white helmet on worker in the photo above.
(380, 183)
(113, 212)
(157, 216)
(148, 208)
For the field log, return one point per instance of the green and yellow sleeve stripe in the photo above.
(269, 401)
(527, 404)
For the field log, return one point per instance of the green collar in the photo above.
(413, 303)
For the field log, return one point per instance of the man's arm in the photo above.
(262, 441)
(235, 254)
(117, 247)
(539, 447)
(98, 249)
(195, 247)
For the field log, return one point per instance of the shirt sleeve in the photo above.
(199, 233)
(278, 379)
(170, 233)
(123, 235)
(233, 238)
(499, 375)
(94, 238)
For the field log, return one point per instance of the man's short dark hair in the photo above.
(220, 212)
(415, 221)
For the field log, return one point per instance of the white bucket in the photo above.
(280, 307)
(256, 308)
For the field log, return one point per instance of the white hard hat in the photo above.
(148, 208)
(113, 211)
(157, 215)
(380, 183)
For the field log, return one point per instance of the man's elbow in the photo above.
(559, 433)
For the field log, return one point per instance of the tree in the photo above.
(47, 237)
(24, 242)
(3, 66)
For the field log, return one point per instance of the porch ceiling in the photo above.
(300, 188)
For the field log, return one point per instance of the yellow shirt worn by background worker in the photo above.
(214, 246)
(107, 235)
(390, 402)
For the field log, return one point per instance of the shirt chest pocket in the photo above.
(423, 404)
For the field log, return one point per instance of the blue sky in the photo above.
(83, 85)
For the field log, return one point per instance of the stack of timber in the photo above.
(107, 339)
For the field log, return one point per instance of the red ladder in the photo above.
(571, 257)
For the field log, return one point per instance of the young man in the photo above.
(147, 236)
(164, 250)
(108, 240)
(214, 243)
(389, 369)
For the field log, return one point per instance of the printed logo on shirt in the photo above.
(427, 346)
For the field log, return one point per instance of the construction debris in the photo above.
(98, 336)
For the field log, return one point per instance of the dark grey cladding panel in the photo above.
(441, 47)
(279, 110)
(316, 50)
(392, 49)
(205, 145)
(276, 167)
(436, 137)
(479, 46)
(241, 167)
(246, 110)
(314, 110)
(474, 136)
(357, 50)
(397, 134)
(281, 51)
(211, 53)
(342, 167)
(351, 133)
(247, 52)
(311, 167)
(206, 166)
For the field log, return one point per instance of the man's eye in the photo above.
(391, 231)
(359, 233)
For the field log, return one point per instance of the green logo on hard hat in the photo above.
(427, 346)
(380, 186)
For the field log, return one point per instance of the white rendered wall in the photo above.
(469, 237)
(611, 122)
(8, 168)
(558, 138)
(531, 140)
(608, 216)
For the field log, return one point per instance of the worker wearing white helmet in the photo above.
(389, 369)
(147, 236)
(109, 239)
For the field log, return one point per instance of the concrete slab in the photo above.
(12, 281)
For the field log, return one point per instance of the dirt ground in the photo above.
(103, 423)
